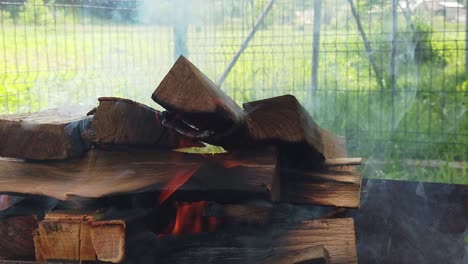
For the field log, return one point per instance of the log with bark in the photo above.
(123, 121)
(47, 135)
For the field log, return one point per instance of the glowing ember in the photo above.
(3, 202)
(227, 160)
(175, 183)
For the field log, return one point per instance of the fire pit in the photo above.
(126, 183)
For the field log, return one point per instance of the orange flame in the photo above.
(190, 219)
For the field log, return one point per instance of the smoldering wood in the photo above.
(335, 235)
(123, 121)
(15, 237)
(194, 98)
(232, 255)
(285, 120)
(250, 214)
(101, 173)
(48, 135)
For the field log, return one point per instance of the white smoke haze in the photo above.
(87, 57)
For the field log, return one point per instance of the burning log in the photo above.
(15, 237)
(102, 173)
(330, 240)
(122, 121)
(47, 135)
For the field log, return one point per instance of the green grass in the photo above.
(63, 63)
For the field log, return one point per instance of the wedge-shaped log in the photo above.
(101, 173)
(194, 99)
(47, 135)
(122, 121)
(200, 110)
(284, 119)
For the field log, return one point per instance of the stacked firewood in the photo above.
(272, 151)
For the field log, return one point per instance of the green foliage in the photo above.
(425, 50)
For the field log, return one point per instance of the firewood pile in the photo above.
(124, 182)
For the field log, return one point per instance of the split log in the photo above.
(102, 173)
(122, 121)
(195, 100)
(15, 237)
(47, 135)
(62, 236)
(79, 237)
(108, 240)
(283, 119)
(323, 187)
(200, 110)
(313, 255)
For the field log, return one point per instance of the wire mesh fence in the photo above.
(389, 75)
